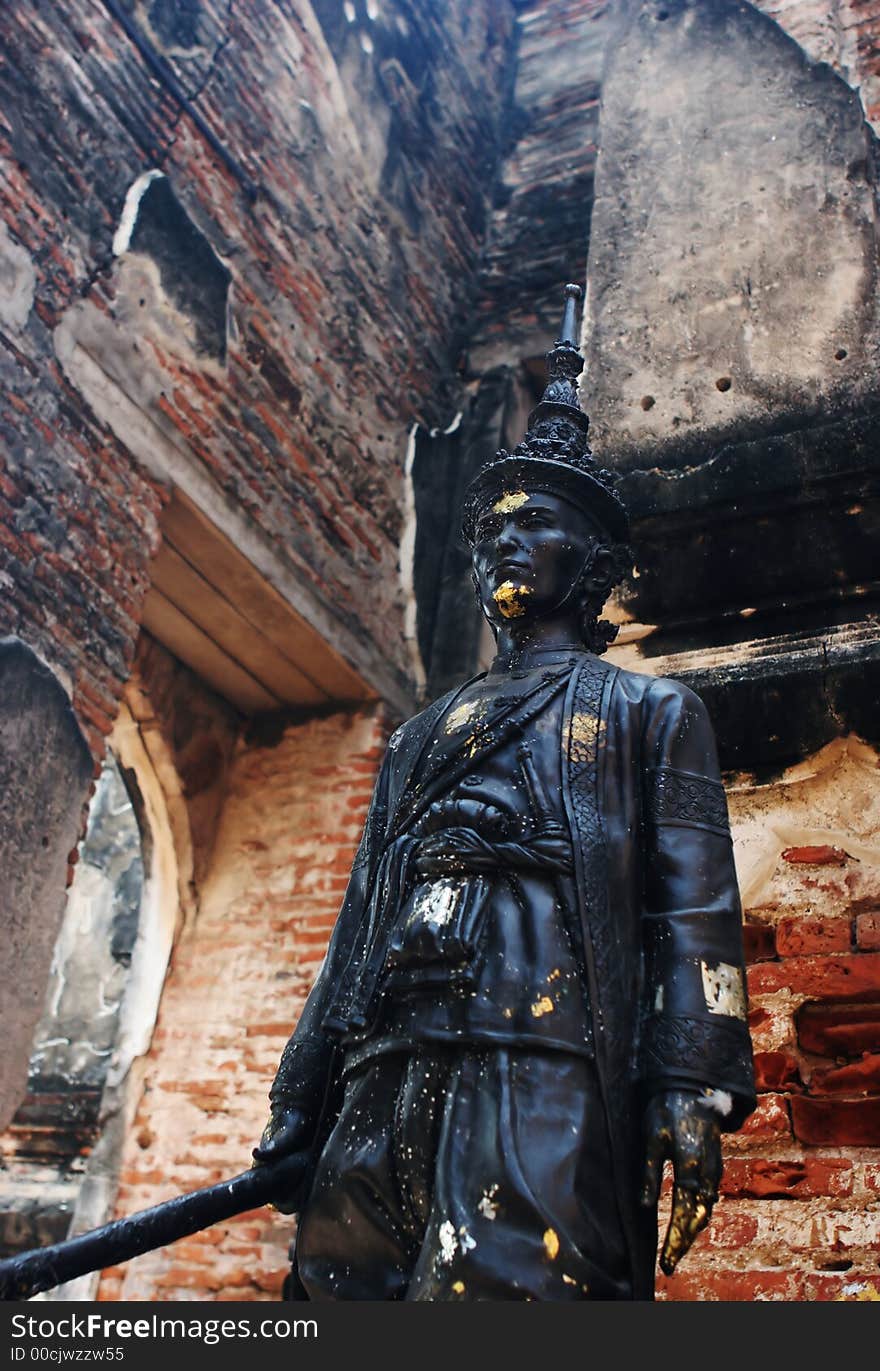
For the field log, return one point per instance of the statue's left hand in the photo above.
(452, 851)
(679, 1126)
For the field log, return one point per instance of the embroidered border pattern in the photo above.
(583, 763)
(716, 1051)
(680, 797)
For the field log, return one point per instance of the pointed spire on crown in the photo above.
(555, 454)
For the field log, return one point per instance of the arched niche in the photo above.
(63, 1147)
(45, 770)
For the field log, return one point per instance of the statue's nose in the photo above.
(507, 539)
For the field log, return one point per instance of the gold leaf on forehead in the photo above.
(511, 500)
(509, 599)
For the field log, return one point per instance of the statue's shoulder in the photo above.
(412, 729)
(658, 692)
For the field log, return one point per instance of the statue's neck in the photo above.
(534, 643)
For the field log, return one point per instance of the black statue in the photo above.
(534, 993)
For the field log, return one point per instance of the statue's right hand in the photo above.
(288, 1131)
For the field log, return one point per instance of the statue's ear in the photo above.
(599, 574)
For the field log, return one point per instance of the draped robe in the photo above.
(657, 907)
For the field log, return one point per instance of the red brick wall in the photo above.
(799, 1217)
(372, 154)
(238, 979)
(78, 525)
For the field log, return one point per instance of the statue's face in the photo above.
(530, 548)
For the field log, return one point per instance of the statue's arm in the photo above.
(696, 1055)
(694, 1032)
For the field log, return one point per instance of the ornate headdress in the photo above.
(554, 455)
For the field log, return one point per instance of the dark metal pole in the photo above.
(32, 1272)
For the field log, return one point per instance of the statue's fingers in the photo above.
(278, 1140)
(291, 1206)
(699, 1165)
(433, 863)
(265, 1151)
(690, 1214)
(674, 1246)
(678, 1234)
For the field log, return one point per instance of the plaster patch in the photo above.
(128, 219)
(407, 561)
(859, 1290)
(17, 283)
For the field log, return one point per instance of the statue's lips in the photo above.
(505, 569)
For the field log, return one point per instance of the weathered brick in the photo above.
(836, 1123)
(769, 1123)
(796, 935)
(853, 1079)
(776, 1071)
(868, 932)
(818, 977)
(743, 1286)
(759, 941)
(839, 1029)
(322, 479)
(730, 1226)
(821, 855)
(761, 1178)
